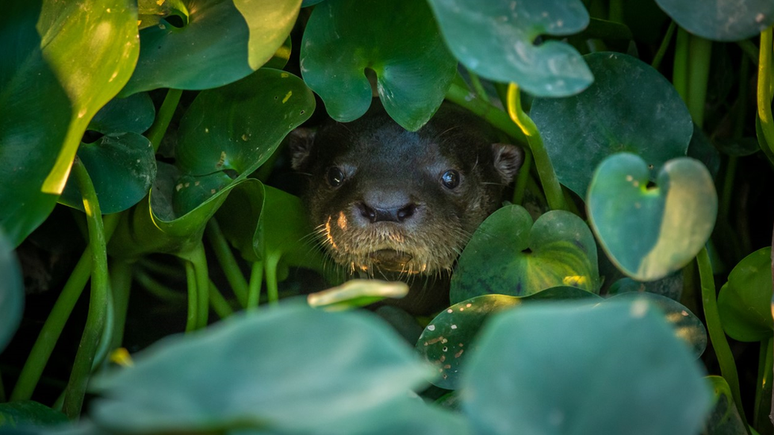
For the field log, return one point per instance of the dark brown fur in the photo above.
(392, 217)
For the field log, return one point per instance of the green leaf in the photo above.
(122, 167)
(397, 39)
(670, 286)
(581, 131)
(222, 42)
(724, 418)
(508, 255)
(11, 292)
(453, 332)
(226, 134)
(721, 20)
(134, 114)
(649, 232)
(686, 325)
(27, 413)
(744, 302)
(52, 82)
(287, 369)
(497, 41)
(566, 368)
(358, 293)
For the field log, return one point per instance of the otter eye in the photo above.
(450, 179)
(335, 177)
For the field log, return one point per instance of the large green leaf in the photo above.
(133, 114)
(744, 302)
(721, 20)
(649, 232)
(288, 369)
(558, 369)
(221, 42)
(509, 255)
(630, 107)
(62, 61)
(11, 292)
(497, 41)
(453, 332)
(228, 134)
(397, 39)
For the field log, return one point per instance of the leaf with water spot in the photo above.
(497, 41)
(509, 255)
(721, 20)
(453, 331)
(650, 232)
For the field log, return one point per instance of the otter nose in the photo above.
(386, 214)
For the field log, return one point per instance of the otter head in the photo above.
(386, 200)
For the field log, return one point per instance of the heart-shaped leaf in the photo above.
(399, 41)
(721, 20)
(11, 292)
(268, 371)
(573, 368)
(497, 41)
(509, 255)
(686, 325)
(650, 232)
(744, 302)
(630, 107)
(228, 134)
(221, 42)
(453, 332)
(55, 75)
(134, 114)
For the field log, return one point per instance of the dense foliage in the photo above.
(143, 151)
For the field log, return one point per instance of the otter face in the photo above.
(387, 200)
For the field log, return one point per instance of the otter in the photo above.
(393, 204)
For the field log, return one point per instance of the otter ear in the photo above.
(507, 160)
(300, 142)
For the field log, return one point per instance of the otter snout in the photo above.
(385, 206)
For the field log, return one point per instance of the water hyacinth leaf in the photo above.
(650, 232)
(453, 331)
(26, 413)
(134, 114)
(724, 418)
(721, 20)
(509, 255)
(122, 167)
(687, 326)
(238, 127)
(281, 56)
(357, 293)
(151, 12)
(497, 41)
(63, 73)
(398, 40)
(285, 379)
(221, 42)
(630, 107)
(515, 383)
(11, 292)
(744, 302)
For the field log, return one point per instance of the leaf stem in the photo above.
(543, 164)
(254, 291)
(100, 286)
(715, 329)
(522, 177)
(163, 117)
(198, 258)
(272, 290)
(491, 114)
(120, 284)
(680, 67)
(763, 389)
(699, 66)
(664, 46)
(477, 86)
(764, 91)
(219, 303)
(193, 299)
(227, 261)
(52, 328)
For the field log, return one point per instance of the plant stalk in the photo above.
(227, 261)
(764, 92)
(163, 118)
(256, 279)
(100, 286)
(491, 114)
(543, 164)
